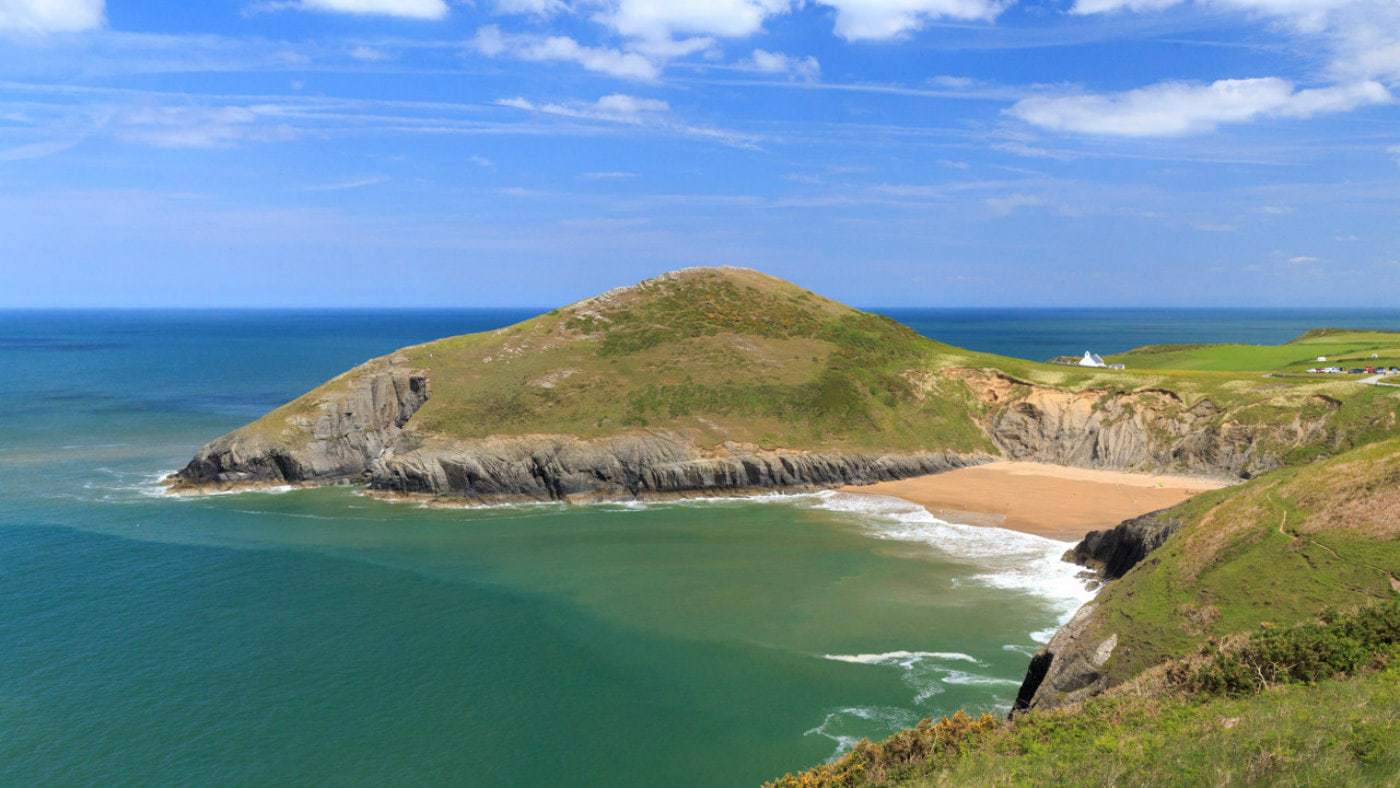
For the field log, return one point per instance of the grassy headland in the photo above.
(732, 355)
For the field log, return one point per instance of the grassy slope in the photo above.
(1277, 549)
(1342, 347)
(1339, 732)
(735, 355)
(1316, 703)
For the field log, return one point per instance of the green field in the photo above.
(1341, 347)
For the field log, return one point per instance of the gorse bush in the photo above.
(1305, 653)
(869, 763)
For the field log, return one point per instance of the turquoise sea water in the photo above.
(320, 636)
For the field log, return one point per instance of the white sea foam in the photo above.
(1012, 560)
(901, 658)
(926, 672)
(271, 489)
(976, 680)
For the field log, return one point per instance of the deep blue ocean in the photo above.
(322, 637)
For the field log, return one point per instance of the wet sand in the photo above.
(1048, 500)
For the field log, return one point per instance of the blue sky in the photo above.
(530, 152)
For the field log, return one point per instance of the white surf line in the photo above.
(900, 657)
(1017, 561)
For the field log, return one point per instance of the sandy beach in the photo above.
(1048, 500)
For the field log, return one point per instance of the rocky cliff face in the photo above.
(1147, 429)
(556, 467)
(340, 441)
(1070, 667)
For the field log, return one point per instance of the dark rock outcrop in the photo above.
(1113, 552)
(554, 467)
(339, 442)
(1070, 667)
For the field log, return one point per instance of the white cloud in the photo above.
(482, 162)
(858, 20)
(490, 41)
(50, 16)
(1180, 108)
(1394, 150)
(659, 20)
(408, 9)
(1360, 37)
(1304, 259)
(617, 107)
(779, 63)
(673, 28)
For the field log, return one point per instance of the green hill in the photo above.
(728, 378)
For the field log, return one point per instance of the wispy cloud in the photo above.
(35, 150)
(778, 63)
(633, 111)
(608, 175)
(491, 42)
(200, 127)
(406, 9)
(348, 184)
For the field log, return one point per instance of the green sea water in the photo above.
(321, 636)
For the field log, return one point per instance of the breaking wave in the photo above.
(1008, 559)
